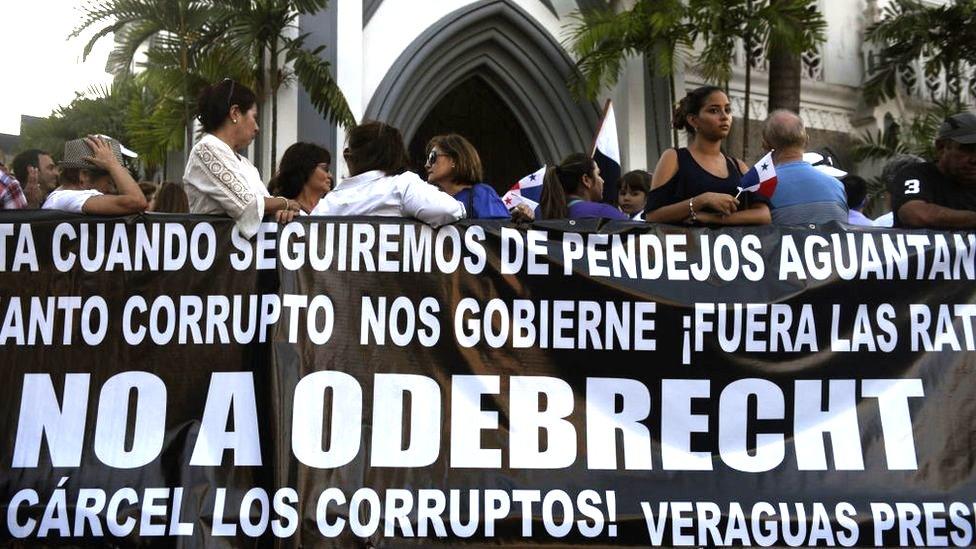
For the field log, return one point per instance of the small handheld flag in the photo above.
(761, 178)
(527, 191)
(606, 154)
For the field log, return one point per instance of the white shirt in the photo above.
(886, 220)
(69, 200)
(219, 181)
(403, 195)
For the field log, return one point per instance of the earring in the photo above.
(235, 121)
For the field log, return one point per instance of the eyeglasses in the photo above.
(432, 157)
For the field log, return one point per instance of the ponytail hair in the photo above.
(563, 180)
(692, 103)
(214, 102)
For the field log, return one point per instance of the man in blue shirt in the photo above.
(804, 194)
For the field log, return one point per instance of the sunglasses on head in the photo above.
(230, 94)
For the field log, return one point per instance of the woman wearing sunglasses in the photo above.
(303, 175)
(454, 167)
(217, 179)
(380, 183)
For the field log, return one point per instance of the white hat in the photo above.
(822, 164)
(125, 151)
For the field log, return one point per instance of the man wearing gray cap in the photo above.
(89, 169)
(940, 194)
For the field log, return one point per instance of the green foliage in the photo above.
(602, 39)
(943, 37)
(260, 31)
(662, 30)
(316, 77)
(916, 137)
(97, 110)
(189, 44)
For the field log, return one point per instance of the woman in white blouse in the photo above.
(217, 179)
(380, 183)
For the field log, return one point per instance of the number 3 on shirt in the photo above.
(912, 186)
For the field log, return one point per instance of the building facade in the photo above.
(496, 72)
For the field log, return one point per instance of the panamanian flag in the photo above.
(606, 154)
(761, 178)
(528, 190)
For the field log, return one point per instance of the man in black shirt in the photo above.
(940, 194)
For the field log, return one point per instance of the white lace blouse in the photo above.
(219, 181)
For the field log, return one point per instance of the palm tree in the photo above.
(602, 38)
(156, 115)
(783, 28)
(944, 37)
(915, 136)
(721, 25)
(192, 43)
(792, 27)
(175, 32)
(261, 30)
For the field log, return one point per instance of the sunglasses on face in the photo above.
(432, 157)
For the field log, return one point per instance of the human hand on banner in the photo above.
(522, 213)
(285, 216)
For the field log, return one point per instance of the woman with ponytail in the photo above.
(217, 179)
(573, 190)
(699, 184)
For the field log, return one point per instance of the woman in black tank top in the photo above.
(699, 184)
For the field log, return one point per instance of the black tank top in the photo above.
(691, 180)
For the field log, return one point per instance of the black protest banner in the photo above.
(343, 382)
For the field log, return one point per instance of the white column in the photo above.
(629, 105)
(349, 68)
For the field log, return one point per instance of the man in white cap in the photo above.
(940, 194)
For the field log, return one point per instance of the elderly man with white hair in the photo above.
(804, 194)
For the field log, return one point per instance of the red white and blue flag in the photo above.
(761, 178)
(527, 191)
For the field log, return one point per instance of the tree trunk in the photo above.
(785, 70)
(187, 117)
(674, 100)
(747, 41)
(748, 99)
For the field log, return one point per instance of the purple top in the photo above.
(579, 209)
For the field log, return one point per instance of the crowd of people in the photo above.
(699, 184)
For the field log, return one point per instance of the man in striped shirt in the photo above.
(11, 194)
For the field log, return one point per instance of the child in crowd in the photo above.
(632, 193)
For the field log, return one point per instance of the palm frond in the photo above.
(315, 75)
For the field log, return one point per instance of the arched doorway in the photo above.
(474, 110)
(488, 53)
